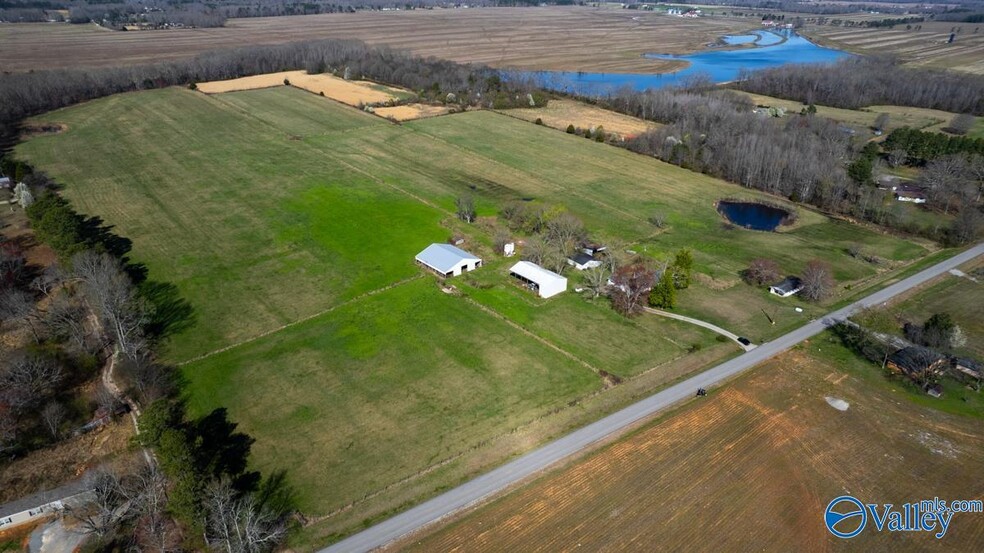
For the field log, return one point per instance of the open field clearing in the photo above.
(761, 457)
(926, 47)
(410, 112)
(352, 93)
(571, 38)
(899, 116)
(289, 222)
(560, 113)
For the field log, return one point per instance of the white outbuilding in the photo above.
(447, 260)
(543, 282)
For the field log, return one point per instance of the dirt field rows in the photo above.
(925, 47)
(749, 468)
(575, 38)
(352, 93)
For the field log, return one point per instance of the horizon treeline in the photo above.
(860, 82)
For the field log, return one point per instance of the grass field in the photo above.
(927, 47)
(559, 113)
(863, 119)
(750, 467)
(568, 38)
(290, 222)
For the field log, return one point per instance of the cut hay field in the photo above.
(563, 38)
(289, 222)
(926, 47)
(353, 93)
(559, 113)
(410, 112)
(750, 467)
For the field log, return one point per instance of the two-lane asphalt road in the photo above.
(501, 478)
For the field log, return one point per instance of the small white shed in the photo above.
(543, 282)
(447, 260)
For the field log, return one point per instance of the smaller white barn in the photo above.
(447, 260)
(545, 283)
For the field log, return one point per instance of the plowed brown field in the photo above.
(751, 467)
(574, 38)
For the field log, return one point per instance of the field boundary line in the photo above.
(542, 340)
(304, 319)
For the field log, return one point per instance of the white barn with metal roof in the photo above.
(545, 283)
(447, 260)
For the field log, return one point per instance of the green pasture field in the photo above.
(276, 211)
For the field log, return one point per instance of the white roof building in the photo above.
(447, 260)
(545, 283)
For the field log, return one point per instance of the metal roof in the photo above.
(535, 273)
(443, 258)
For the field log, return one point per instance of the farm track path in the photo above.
(538, 460)
(705, 324)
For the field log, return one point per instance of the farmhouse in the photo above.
(916, 361)
(789, 286)
(910, 193)
(5, 182)
(969, 369)
(583, 261)
(545, 283)
(447, 260)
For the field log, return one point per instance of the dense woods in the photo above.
(858, 82)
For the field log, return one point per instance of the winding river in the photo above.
(770, 49)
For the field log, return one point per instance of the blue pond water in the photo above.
(752, 215)
(771, 49)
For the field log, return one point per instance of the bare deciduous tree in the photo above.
(112, 294)
(48, 280)
(631, 286)
(961, 123)
(881, 122)
(566, 232)
(945, 176)
(65, 320)
(762, 271)
(596, 280)
(465, 208)
(28, 381)
(238, 523)
(818, 280)
(897, 157)
(536, 250)
(53, 415)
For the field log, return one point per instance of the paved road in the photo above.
(705, 324)
(499, 479)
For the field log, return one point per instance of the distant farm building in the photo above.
(583, 261)
(970, 370)
(545, 283)
(789, 286)
(591, 248)
(910, 193)
(916, 362)
(447, 260)
(5, 182)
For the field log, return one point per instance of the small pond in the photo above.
(754, 216)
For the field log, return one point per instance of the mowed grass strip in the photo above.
(218, 196)
(381, 389)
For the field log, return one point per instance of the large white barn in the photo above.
(545, 283)
(447, 260)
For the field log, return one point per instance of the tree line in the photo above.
(858, 82)
(199, 493)
(922, 146)
(26, 94)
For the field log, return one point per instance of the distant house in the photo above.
(910, 193)
(592, 248)
(969, 369)
(447, 260)
(888, 182)
(789, 286)
(583, 261)
(916, 362)
(545, 283)
(5, 182)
